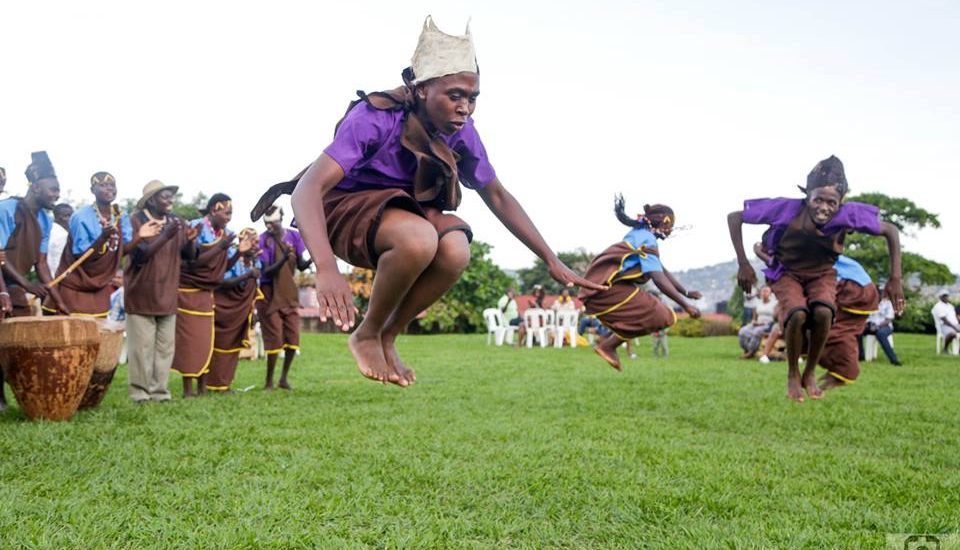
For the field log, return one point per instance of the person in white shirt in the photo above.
(880, 325)
(58, 235)
(947, 315)
(762, 319)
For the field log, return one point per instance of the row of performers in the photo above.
(190, 288)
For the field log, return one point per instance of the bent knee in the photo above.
(822, 315)
(453, 252)
(797, 317)
(407, 234)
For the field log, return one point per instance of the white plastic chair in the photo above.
(954, 346)
(497, 329)
(535, 321)
(871, 346)
(566, 326)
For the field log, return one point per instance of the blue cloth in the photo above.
(117, 312)
(238, 269)
(85, 228)
(636, 238)
(851, 270)
(8, 222)
(206, 235)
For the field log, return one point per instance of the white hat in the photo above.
(439, 54)
(274, 214)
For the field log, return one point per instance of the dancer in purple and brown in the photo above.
(281, 255)
(394, 167)
(806, 237)
(623, 268)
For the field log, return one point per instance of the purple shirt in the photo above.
(779, 212)
(268, 257)
(367, 147)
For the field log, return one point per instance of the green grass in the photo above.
(500, 448)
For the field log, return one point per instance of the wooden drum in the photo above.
(111, 344)
(48, 362)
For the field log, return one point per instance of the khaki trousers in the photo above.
(150, 341)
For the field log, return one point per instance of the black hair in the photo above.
(61, 207)
(217, 197)
(827, 173)
(653, 215)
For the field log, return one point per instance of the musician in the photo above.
(99, 234)
(25, 234)
(281, 253)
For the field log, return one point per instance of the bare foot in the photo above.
(368, 353)
(794, 389)
(748, 355)
(810, 385)
(828, 382)
(613, 360)
(284, 385)
(268, 386)
(394, 361)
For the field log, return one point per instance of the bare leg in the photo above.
(607, 349)
(794, 337)
(202, 384)
(828, 382)
(271, 367)
(187, 387)
(822, 319)
(771, 340)
(407, 245)
(453, 256)
(287, 362)
(3, 394)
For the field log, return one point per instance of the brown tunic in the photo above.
(624, 308)
(23, 253)
(195, 305)
(151, 286)
(233, 320)
(86, 290)
(841, 353)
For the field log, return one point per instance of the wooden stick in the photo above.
(70, 269)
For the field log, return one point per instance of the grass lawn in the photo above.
(500, 448)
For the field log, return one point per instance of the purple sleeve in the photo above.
(771, 211)
(360, 131)
(474, 167)
(860, 217)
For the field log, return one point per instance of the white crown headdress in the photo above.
(439, 54)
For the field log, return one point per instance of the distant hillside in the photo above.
(716, 282)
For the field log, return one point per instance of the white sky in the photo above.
(696, 104)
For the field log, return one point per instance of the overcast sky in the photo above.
(695, 104)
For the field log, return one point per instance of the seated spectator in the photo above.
(761, 322)
(946, 316)
(565, 302)
(880, 326)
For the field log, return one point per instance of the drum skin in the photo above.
(111, 344)
(48, 362)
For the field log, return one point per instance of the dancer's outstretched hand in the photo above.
(336, 300)
(566, 276)
(746, 276)
(693, 311)
(894, 290)
(694, 295)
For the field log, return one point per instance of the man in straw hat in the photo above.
(385, 182)
(150, 284)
